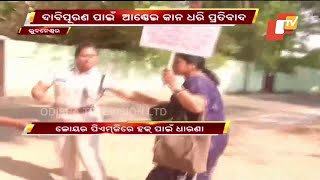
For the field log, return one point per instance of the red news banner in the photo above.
(151, 128)
(44, 30)
(69, 18)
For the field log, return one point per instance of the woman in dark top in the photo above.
(199, 94)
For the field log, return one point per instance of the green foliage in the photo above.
(158, 59)
(227, 44)
(249, 44)
(243, 42)
(311, 27)
(6, 10)
(217, 61)
(312, 59)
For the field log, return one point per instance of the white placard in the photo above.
(194, 40)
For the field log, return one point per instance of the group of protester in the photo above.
(79, 89)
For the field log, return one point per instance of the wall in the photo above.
(27, 62)
(232, 77)
(303, 80)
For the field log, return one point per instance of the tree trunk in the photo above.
(268, 82)
(2, 68)
(196, 4)
(246, 76)
(246, 4)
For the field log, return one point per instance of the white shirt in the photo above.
(75, 90)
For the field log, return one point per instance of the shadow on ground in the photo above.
(29, 171)
(24, 169)
(284, 128)
(308, 100)
(10, 135)
(23, 112)
(240, 110)
(26, 112)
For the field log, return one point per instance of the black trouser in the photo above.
(163, 173)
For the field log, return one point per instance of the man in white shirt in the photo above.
(76, 94)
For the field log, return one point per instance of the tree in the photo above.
(311, 25)
(12, 15)
(244, 43)
(249, 41)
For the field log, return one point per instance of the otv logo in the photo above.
(284, 24)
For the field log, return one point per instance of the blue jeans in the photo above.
(219, 144)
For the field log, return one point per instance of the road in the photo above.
(272, 137)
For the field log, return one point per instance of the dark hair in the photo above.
(83, 45)
(199, 62)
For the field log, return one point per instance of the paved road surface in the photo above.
(272, 137)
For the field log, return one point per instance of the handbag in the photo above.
(185, 153)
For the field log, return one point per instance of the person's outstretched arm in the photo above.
(112, 86)
(135, 96)
(192, 102)
(15, 123)
(39, 91)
